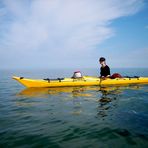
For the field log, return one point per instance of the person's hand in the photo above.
(108, 76)
(103, 78)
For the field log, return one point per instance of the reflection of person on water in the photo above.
(106, 102)
(104, 70)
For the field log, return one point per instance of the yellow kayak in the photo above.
(84, 81)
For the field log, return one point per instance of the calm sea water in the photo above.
(76, 117)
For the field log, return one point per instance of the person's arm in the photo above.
(101, 73)
(108, 72)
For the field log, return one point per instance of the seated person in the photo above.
(104, 70)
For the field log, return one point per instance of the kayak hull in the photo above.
(85, 81)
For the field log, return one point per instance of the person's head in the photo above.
(102, 61)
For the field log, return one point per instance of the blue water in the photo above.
(76, 117)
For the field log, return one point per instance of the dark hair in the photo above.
(102, 59)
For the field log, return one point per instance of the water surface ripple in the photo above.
(73, 117)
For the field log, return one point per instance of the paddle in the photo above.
(101, 79)
(100, 82)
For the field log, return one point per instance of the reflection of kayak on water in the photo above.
(76, 91)
(84, 81)
(105, 98)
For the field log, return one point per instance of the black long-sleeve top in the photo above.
(104, 71)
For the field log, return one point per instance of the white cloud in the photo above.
(67, 27)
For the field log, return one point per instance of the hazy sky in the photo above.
(73, 33)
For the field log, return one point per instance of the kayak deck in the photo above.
(84, 81)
